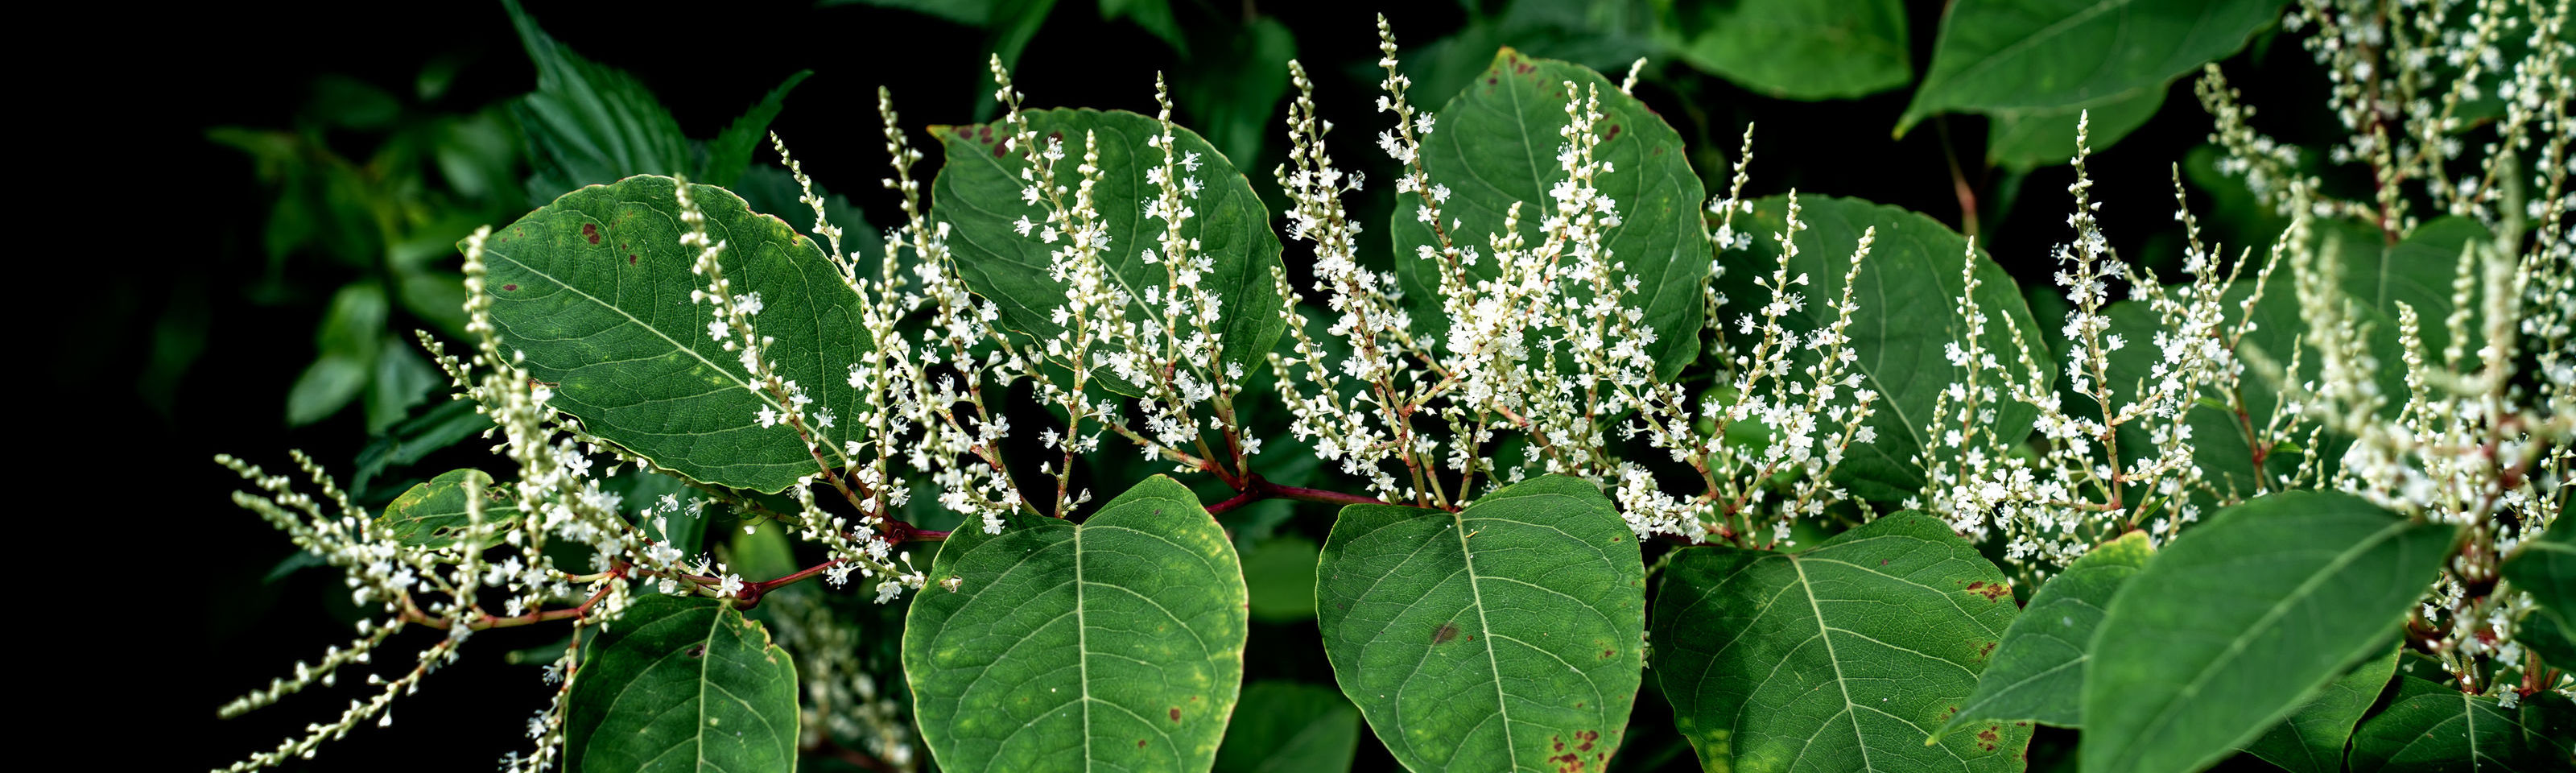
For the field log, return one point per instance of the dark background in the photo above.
(186, 339)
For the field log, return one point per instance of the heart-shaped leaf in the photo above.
(682, 684)
(1844, 656)
(1508, 636)
(978, 191)
(1116, 644)
(1495, 144)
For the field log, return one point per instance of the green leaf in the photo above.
(979, 192)
(588, 123)
(682, 684)
(324, 388)
(406, 443)
(2545, 567)
(402, 381)
(1288, 727)
(1232, 98)
(1116, 644)
(1997, 55)
(2038, 671)
(1800, 49)
(2241, 619)
(2431, 727)
(1280, 574)
(1505, 637)
(350, 340)
(1494, 145)
(2312, 740)
(429, 514)
(594, 288)
(730, 152)
(2023, 140)
(1844, 656)
(1906, 317)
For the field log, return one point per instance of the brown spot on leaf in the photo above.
(698, 651)
(590, 231)
(1607, 653)
(1992, 591)
(1987, 738)
(630, 260)
(1987, 650)
(1176, 713)
(1587, 736)
(509, 287)
(1140, 743)
(967, 132)
(1612, 134)
(1444, 633)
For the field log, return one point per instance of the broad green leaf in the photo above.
(2023, 54)
(1494, 145)
(430, 514)
(1505, 637)
(589, 123)
(730, 152)
(1799, 49)
(2038, 671)
(350, 340)
(1842, 657)
(594, 289)
(2545, 567)
(2241, 619)
(1290, 727)
(1906, 318)
(1280, 575)
(2312, 740)
(1233, 97)
(979, 192)
(406, 443)
(1116, 644)
(2432, 727)
(682, 684)
(402, 381)
(768, 188)
(2023, 140)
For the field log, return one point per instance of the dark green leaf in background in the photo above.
(1289, 727)
(589, 123)
(351, 338)
(979, 191)
(2241, 619)
(682, 684)
(594, 288)
(2038, 671)
(1505, 637)
(1116, 644)
(1494, 144)
(1842, 657)
(1798, 49)
(730, 152)
(2313, 738)
(1998, 55)
(2431, 727)
(2023, 140)
(1280, 574)
(2545, 567)
(1906, 317)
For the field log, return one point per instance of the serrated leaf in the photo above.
(682, 684)
(2432, 727)
(430, 514)
(2038, 671)
(1508, 636)
(978, 191)
(730, 152)
(2242, 618)
(1906, 318)
(1494, 145)
(594, 288)
(588, 123)
(2025, 54)
(1117, 643)
(1800, 49)
(1289, 727)
(1842, 657)
(2312, 740)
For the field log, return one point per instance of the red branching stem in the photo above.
(1255, 488)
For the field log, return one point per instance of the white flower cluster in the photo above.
(1546, 337)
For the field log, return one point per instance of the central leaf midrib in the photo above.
(1476, 593)
(657, 332)
(1859, 739)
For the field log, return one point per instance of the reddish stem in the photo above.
(1255, 488)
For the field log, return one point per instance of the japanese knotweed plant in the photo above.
(2251, 495)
